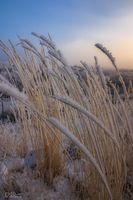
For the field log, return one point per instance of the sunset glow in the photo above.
(75, 25)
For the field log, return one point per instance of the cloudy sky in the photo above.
(75, 25)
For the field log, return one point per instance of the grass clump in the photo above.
(58, 105)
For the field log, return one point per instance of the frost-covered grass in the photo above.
(60, 105)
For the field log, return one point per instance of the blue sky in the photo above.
(75, 25)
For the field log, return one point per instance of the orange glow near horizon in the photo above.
(116, 35)
(81, 50)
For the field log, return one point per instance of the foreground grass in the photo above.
(60, 106)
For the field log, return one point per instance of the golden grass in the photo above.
(54, 101)
(10, 141)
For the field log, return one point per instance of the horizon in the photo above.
(75, 26)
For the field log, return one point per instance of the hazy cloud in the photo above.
(115, 33)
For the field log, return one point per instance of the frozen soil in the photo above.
(25, 186)
(17, 182)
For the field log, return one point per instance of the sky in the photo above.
(75, 26)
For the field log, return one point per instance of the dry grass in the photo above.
(54, 101)
(10, 141)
